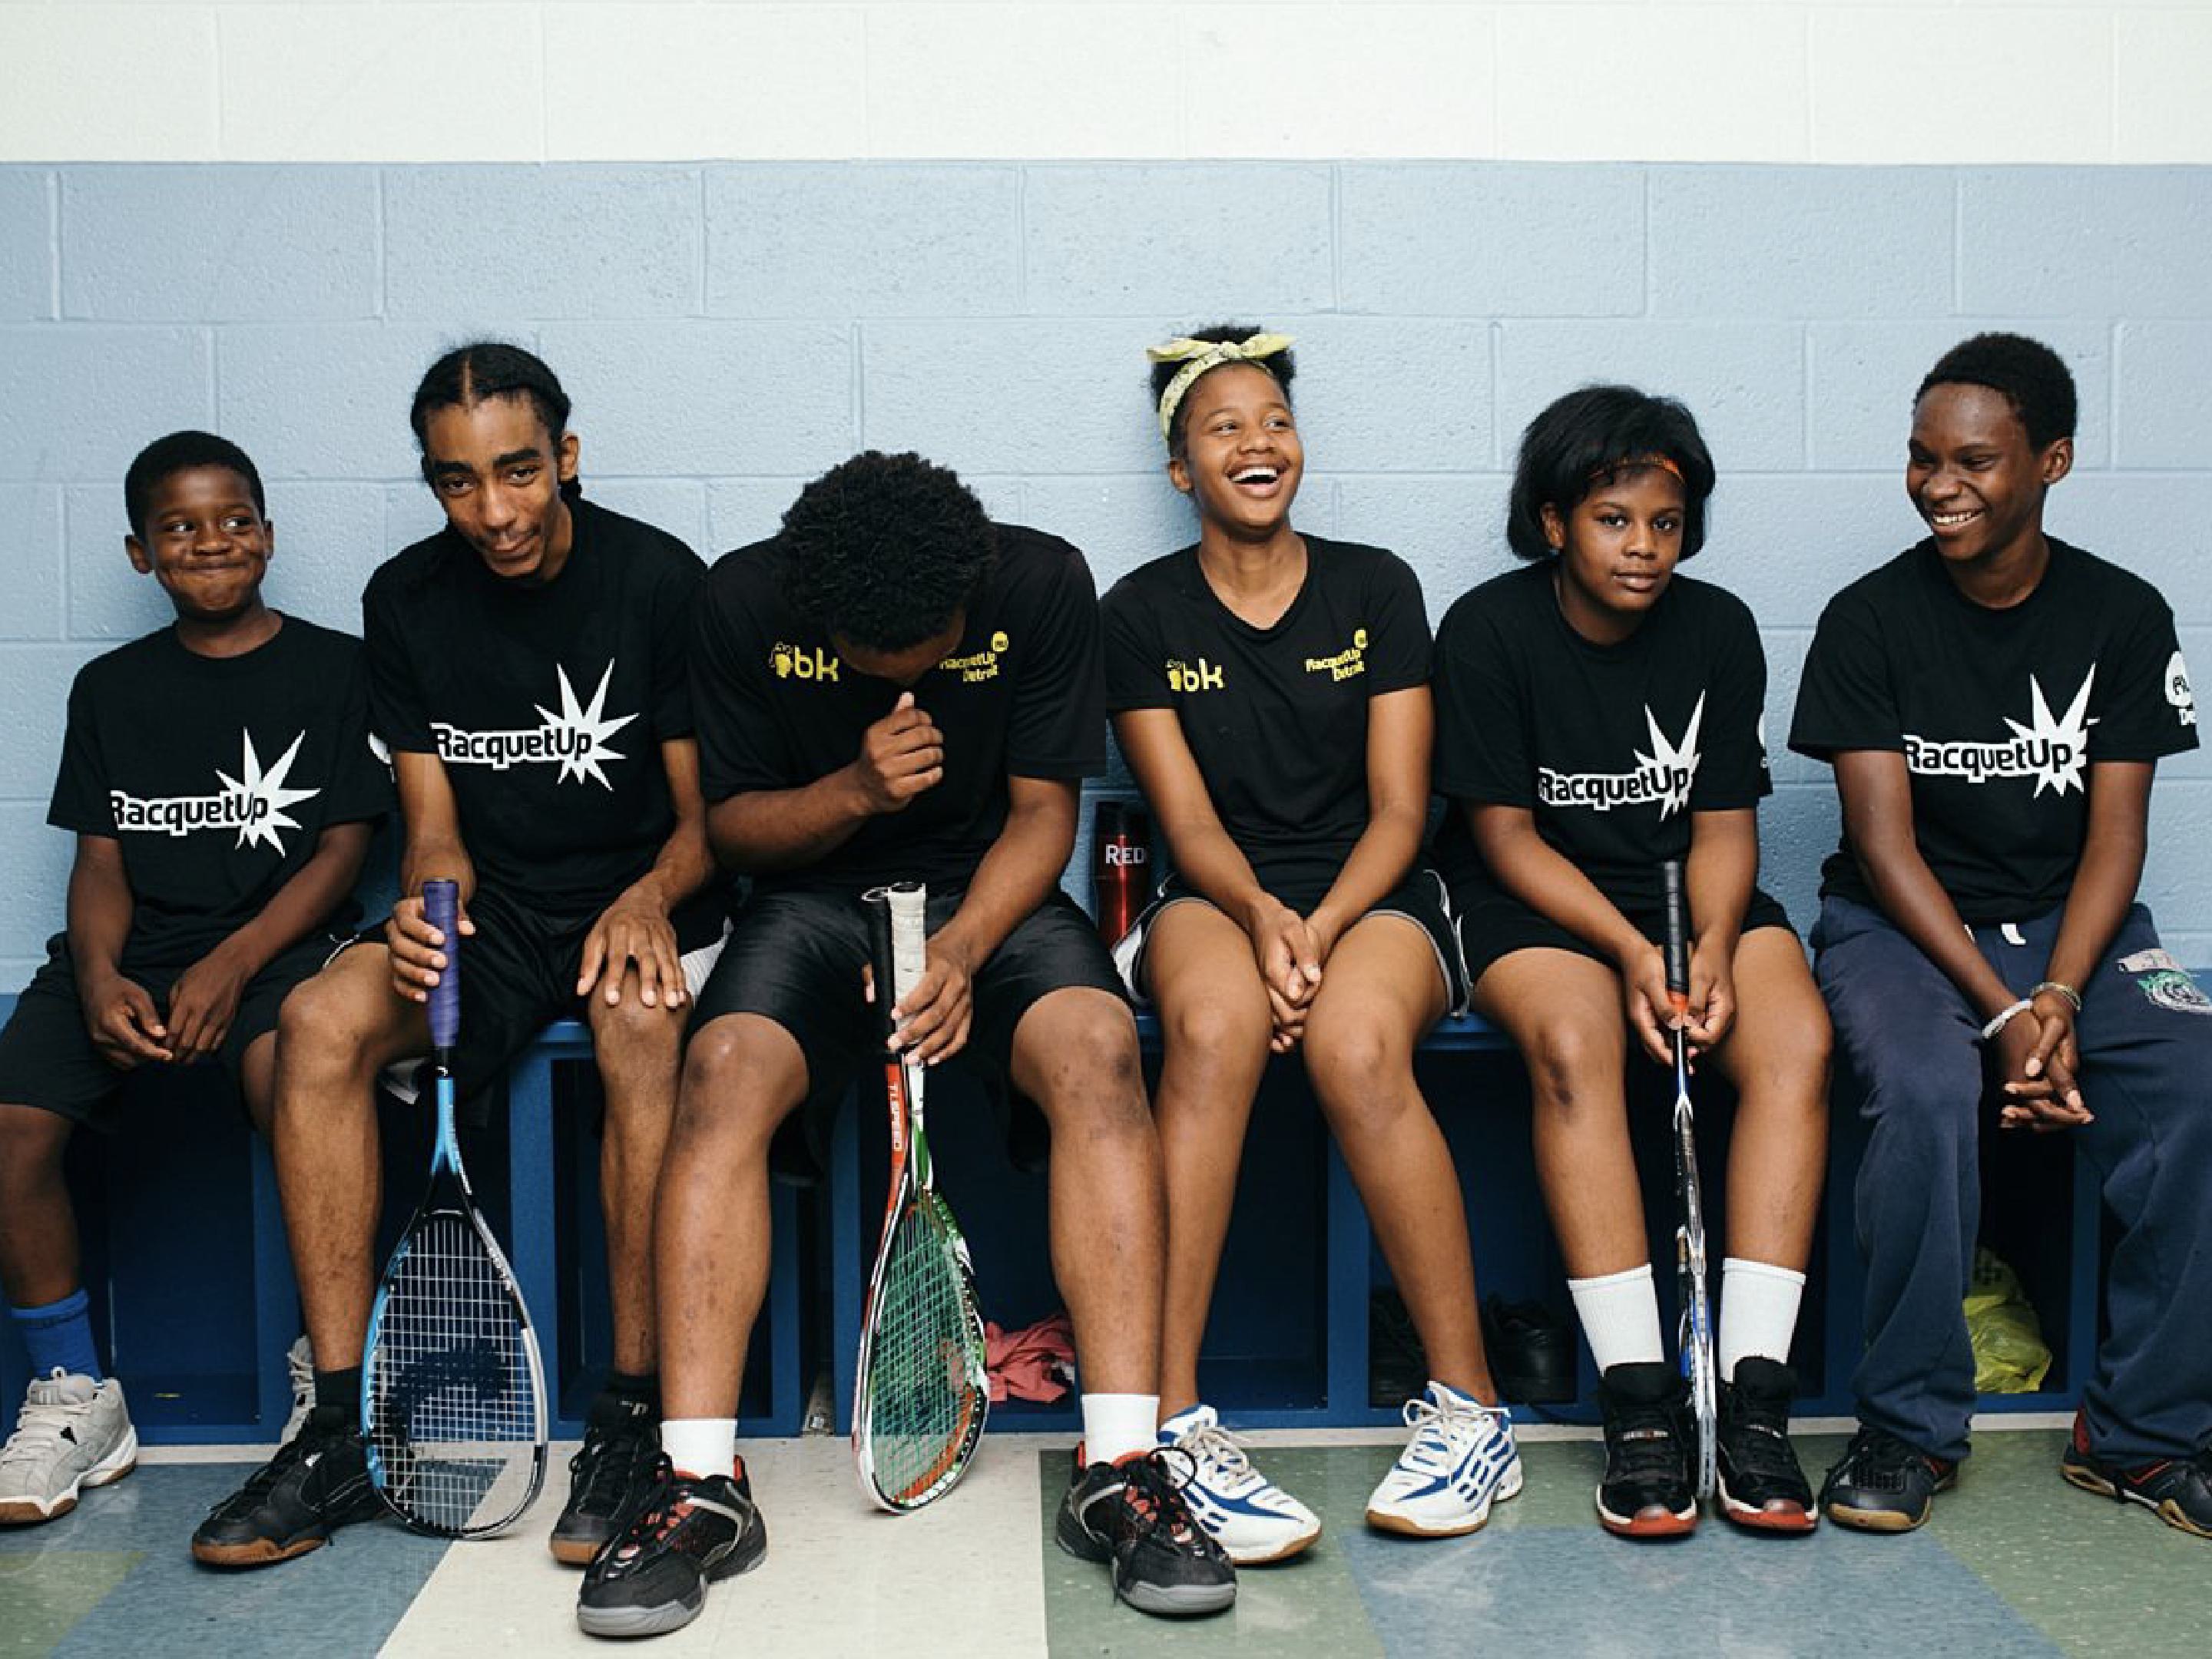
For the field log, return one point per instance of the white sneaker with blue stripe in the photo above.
(1253, 1520)
(1461, 1460)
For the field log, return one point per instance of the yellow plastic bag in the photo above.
(2010, 1356)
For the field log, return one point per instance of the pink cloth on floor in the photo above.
(1036, 1363)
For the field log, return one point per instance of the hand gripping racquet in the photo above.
(1695, 1332)
(452, 1397)
(920, 1394)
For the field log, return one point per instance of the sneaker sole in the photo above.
(1180, 1600)
(623, 1623)
(573, 1551)
(1663, 1524)
(2165, 1509)
(1791, 1521)
(29, 1512)
(1296, 1547)
(1405, 1526)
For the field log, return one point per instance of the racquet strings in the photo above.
(454, 1409)
(925, 1363)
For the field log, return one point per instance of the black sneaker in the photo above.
(652, 1577)
(2176, 1490)
(1132, 1514)
(1762, 1485)
(316, 1484)
(1648, 1490)
(608, 1478)
(1531, 1351)
(1885, 1483)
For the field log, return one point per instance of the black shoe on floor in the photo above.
(1132, 1514)
(2176, 1490)
(317, 1483)
(1531, 1351)
(652, 1577)
(1648, 1490)
(1762, 1485)
(1885, 1483)
(608, 1478)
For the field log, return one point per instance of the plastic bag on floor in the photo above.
(2009, 1355)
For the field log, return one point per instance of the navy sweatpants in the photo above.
(1911, 1042)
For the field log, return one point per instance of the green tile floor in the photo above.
(2015, 1562)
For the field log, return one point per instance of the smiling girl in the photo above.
(1270, 691)
(1598, 715)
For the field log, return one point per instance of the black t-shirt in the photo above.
(547, 702)
(1275, 717)
(1996, 712)
(1611, 747)
(1019, 696)
(218, 775)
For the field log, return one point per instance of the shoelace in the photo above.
(1153, 1490)
(1434, 1427)
(608, 1463)
(39, 1426)
(1641, 1455)
(1875, 1459)
(1216, 1456)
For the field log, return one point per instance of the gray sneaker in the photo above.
(71, 1433)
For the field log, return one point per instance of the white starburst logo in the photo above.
(1675, 763)
(576, 737)
(2050, 749)
(589, 724)
(255, 803)
(1661, 778)
(268, 794)
(2059, 746)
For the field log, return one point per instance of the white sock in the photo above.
(699, 1446)
(1620, 1318)
(1759, 1312)
(1115, 1425)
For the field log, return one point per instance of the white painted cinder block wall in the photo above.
(1911, 81)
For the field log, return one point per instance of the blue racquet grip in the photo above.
(441, 909)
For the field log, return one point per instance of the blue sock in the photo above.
(60, 1335)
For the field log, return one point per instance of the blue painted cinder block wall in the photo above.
(729, 330)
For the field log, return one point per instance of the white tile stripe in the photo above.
(1922, 80)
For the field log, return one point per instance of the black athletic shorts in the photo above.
(47, 1057)
(518, 975)
(1420, 899)
(1493, 925)
(795, 956)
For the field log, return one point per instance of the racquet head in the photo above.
(923, 1391)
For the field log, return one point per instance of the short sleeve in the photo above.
(740, 747)
(1136, 661)
(2145, 707)
(1398, 647)
(1734, 773)
(1845, 699)
(1057, 725)
(675, 594)
(80, 798)
(396, 711)
(361, 784)
(1481, 752)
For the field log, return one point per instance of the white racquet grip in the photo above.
(910, 903)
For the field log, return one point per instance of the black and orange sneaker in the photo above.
(1648, 1490)
(1762, 1485)
(652, 1578)
(1885, 1483)
(2176, 1490)
(1131, 1515)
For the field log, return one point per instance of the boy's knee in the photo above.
(32, 1140)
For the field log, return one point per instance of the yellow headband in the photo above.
(1197, 356)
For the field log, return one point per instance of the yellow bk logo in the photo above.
(803, 662)
(1183, 676)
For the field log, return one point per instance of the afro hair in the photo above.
(883, 550)
(2027, 373)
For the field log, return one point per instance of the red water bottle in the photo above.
(1121, 859)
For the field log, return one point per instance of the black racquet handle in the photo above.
(878, 902)
(441, 909)
(1678, 929)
